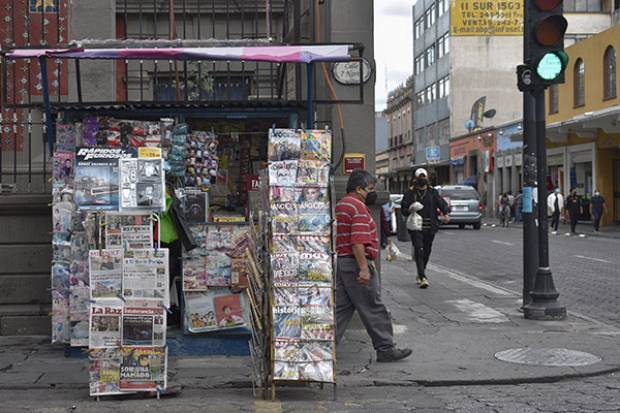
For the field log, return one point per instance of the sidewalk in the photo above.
(455, 328)
(608, 231)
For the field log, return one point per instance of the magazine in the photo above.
(60, 278)
(228, 311)
(316, 351)
(287, 322)
(67, 135)
(199, 312)
(283, 173)
(79, 333)
(97, 177)
(79, 246)
(314, 200)
(314, 244)
(142, 184)
(145, 274)
(195, 205)
(316, 300)
(79, 303)
(114, 223)
(61, 252)
(284, 194)
(199, 233)
(285, 267)
(216, 309)
(315, 267)
(316, 145)
(283, 370)
(144, 323)
(239, 272)
(105, 268)
(284, 144)
(105, 324)
(312, 173)
(195, 274)
(319, 371)
(284, 208)
(60, 320)
(219, 269)
(78, 273)
(314, 224)
(287, 350)
(317, 327)
(284, 224)
(137, 237)
(62, 215)
(284, 243)
(63, 168)
(143, 368)
(286, 297)
(104, 370)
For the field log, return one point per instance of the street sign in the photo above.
(348, 73)
(524, 78)
(433, 153)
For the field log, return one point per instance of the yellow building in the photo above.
(583, 122)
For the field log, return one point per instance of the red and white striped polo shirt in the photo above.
(355, 226)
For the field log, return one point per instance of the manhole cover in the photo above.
(552, 357)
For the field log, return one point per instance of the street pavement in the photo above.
(470, 312)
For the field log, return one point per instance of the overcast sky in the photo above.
(393, 46)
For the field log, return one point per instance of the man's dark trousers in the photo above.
(422, 246)
(366, 299)
(555, 220)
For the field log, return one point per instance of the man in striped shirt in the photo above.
(357, 284)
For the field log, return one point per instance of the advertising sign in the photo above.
(486, 18)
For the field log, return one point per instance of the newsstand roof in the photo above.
(273, 54)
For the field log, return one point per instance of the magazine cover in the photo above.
(239, 273)
(199, 312)
(137, 237)
(287, 350)
(114, 223)
(79, 246)
(78, 273)
(105, 268)
(104, 371)
(60, 320)
(316, 145)
(284, 194)
(312, 173)
(195, 274)
(216, 309)
(284, 224)
(79, 303)
(314, 244)
(219, 269)
(314, 200)
(199, 233)
(285, 267)
(317, 327)
(61, 252)
(145, 274)
(316, 300)
(144, 323)
(284, 145)
(228, 311)
(286, 297)
(284, 244)
(79, 333)
(62, 215)
(143, 369)
(314, 224)
(284, 370)
(220, 237)
(66, 136)
(285, 208)
(63, 168)
(97, 177)
(195, 205)
(286, 322)
(317, 351)
(283, 173)
(60, 278)
(105, 324)
(315, 267)
(142, 184)
(320, 371)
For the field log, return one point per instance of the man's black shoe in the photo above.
(394, 354)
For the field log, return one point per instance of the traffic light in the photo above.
(545, 38)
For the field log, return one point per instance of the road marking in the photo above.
(593, 259)
(469, 280)
(502, 242)
(477, 312)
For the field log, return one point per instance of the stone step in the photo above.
(25, 229)
(25, 259)
(25, 325)
(25, 289)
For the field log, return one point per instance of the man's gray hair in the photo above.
(361, 178)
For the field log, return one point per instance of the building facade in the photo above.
(399, 114)
(583, 123)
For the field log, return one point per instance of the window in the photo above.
(430, 15)
(419, 27)
(429, 97)
(583, 6)
(609, 73)
(430, 56)
(443, 46)
(579, 83)
(419, 98)
(419, 64)
(442, 7)
(554, 100)
(444, 87)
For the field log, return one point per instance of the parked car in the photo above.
(396, 200)
(465, 207)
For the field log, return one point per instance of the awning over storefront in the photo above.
(587, 124)
(274, 54)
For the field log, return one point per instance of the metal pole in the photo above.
(310, 94)
(544, 304)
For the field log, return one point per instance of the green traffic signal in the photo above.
(551, 65)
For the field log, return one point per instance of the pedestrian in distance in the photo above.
(573, 209)
(555, 208)
(357, 246)
(503, 209)
(423, 201)
(519, 206)
(598, 208)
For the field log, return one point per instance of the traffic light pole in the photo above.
(544, 303)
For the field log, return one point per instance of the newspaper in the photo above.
(105, 324)
(143, 369)
(104, 370)
(97, 177)
(144, 323)
(137, 237)
(142, 184)
(216, 309)
(115, 222)
(145, 274)
(105, 267)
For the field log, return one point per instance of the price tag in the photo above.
(149, 153)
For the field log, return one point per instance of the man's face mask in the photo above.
(371, 196)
